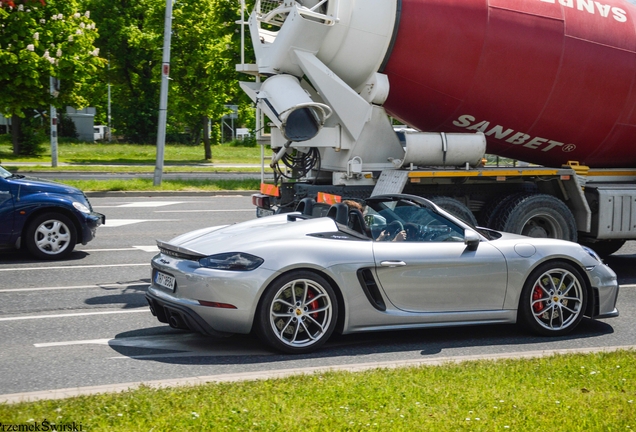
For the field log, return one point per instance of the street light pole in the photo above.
(163, 99)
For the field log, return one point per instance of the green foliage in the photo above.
(203, 79)
(66, 127)
(39, 40)
(32, 134)
(131, 37)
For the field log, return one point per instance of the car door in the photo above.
(433, 270)
(6, 212)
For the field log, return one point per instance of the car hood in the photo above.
(241, 236)
(30, 185)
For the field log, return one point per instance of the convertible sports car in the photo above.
(401, 262)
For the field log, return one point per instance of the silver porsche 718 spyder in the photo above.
(394, 262)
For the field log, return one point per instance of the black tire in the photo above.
(490, 211)
(297, 313)
(51, 236)
(456, 208)
(537, 215)
(604, 247)
(553, 299)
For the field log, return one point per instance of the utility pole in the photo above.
(163, 99)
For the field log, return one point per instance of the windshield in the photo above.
(416, 222)
(4, 173)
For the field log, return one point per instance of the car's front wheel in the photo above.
(51, 236)
(553, 299)
(298, 313)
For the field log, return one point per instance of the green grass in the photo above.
(166, 185)
(82, 153)
(593, 392)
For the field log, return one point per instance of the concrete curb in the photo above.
(282, 373)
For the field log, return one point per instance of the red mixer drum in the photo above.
(547, 81)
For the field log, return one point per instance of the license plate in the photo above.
(262, 212)
(164, 280)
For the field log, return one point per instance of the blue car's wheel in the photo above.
(553, 299)
(51, 236)
(298, 313)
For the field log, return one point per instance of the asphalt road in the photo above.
(84, 321)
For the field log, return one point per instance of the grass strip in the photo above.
(577, 392)
(139, 184)
(84, 153)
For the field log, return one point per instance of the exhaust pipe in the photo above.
(176, 322)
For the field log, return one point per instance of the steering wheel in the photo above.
(393, 229)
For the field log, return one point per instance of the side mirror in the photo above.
(471, 239)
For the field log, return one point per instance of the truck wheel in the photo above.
(456, 208)
(493, 208)
(553, 299)
(604, 247)
(298, 313)
(51, 236)
(538, 215)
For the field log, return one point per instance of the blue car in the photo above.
(46, 218)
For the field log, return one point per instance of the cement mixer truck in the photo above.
(549, 83)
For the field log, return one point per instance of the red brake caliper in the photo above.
(537, 294)
(313, 305)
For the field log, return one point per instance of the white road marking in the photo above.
(101, 286)
(181, 345)
(72, 267)
(205, 211)
(151, 203)
(32, 317)
(113, 223)
(152, 248)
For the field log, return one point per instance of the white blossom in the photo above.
(58, 53)
(20, 7)
(36, 36)
(30, 47)
(70, 38)
(87, 14)
(95, 52)
(28, 10)
(42, 21)
(82, 25)
(78, 32)
(76, 15)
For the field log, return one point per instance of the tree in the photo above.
(40, 39)
(203, 54)
(203, 64)
(131, 37)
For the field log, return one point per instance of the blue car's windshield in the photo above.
(4, 173)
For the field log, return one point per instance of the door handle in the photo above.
(392, 263)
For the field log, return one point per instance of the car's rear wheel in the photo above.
(51, 236)
(298, 313)
(553, 299)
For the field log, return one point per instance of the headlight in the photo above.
(236, 261)
(591, 253)
(81, 207)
